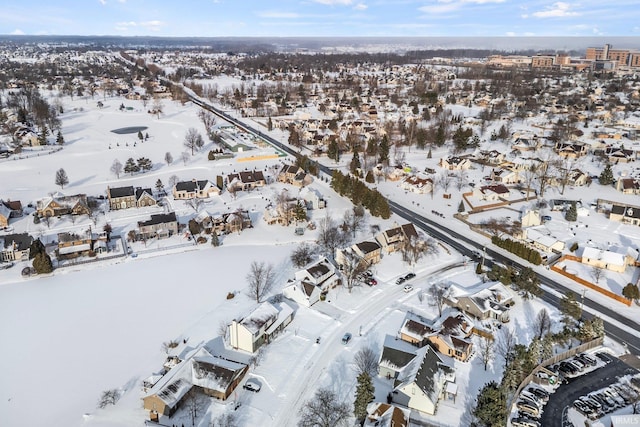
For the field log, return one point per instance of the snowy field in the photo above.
(86, 329)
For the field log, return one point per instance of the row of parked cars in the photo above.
(575, 366)
(598, 403)
(530, 403)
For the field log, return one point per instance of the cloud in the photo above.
(335, 2)
(149, 25)
(279, 15)
(446, 6)
(152, 25)
(103, 2)
(557, 10)
(361, 6)
(17, 32)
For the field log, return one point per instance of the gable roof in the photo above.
(159, 219)
(117, 192)
(192, 186)
(396, 354)
(18, 242)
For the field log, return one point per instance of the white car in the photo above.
(408, 288)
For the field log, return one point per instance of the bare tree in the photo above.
(116, 168)
(193, 140)
(444, 180)
(506, 344)
(195, 204)
(324, 409)
(173, 180)
(485, 348)
(542, 324)
(366, 361)
(207, 118)
(439, 295)
(354, 220)
(168, 158)
(302, 255)
(157, 106)
(352, 268)
(108, 397)
(597, 273)
(414, 249)
(223, 326)
(185, 157)
(330, 237)
(462, 179)
(228, 419)
(261, 280)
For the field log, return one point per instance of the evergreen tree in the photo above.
(144, 164)
(355, 161)
(598, 327)
(606, 177)
(130, 166)
(300, 212)
(429, 153)
(36, 247)
(369, 178)
(159, 186)
(364, 395)
(383, 152)
(570, 307)
(215, 240)
(42, 137)
(631, 292)
(59, 138)
(441, 137)
(269, 124)
(572, 213)
(333, 151)
(491, 406)
(42, 263)
(461, 207)
(140, 137)
(61, 178)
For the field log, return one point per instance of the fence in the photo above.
(587, 284)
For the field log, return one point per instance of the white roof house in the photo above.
(259, 326)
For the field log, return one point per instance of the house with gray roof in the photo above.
(194, 189)
(15, 247)
(422, 384)
(260, 326)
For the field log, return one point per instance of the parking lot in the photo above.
(567, 393)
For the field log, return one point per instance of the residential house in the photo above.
(63, 205)
(368, 251)
(627, 214)
(160, 226)
(393, 239)
(530, 218)
(526, 143)
(260, 326)
(417, 184)
(72, 245)
(229, 222)
(491, 157)
(422, 384)
(14, 206)
(246, 180)
(312, 198)
(577, 178)
(571, 150)
(199, 372)
(194, 189)
(628, 185)
(609, 260)
(386, 415)
(505, 175)
(541, 238)
(15, 247)
(5, 214)
(492, 193)
(492, 302)
(617, 155)
(129, 197)
(395, 356)
(294, 175)
(312, 282)
(455, 163)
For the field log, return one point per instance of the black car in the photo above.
(400, 280)
(409, 276)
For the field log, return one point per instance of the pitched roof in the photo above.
(120, 192)
(20, 242)
(159, 219)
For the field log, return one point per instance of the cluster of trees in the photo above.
(360, 194)
(519, 249)
(131, 166)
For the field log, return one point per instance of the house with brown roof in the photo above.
(386, 415)
(628, 185)
(199, 372)
(312, 282)
(492, 193)
(63, 205)
(492, 302)
(129, 197)
(571, 150)
(294, 175)
(71, 245)
(417, 184)
(5, 214)
(392, 239)
(246, 180)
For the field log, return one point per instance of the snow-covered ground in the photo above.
(94, 327)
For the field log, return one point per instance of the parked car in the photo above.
(409, 276)
(346, 338)
(528, 409)
(371, 281)
(539, 393)
(408, 288)
(400, 280)
(252, 385)
(524, 422)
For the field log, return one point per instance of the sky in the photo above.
(321, 18)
